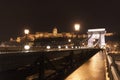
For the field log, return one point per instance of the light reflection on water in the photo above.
(93, 69)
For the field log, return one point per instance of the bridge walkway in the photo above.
(93, 69)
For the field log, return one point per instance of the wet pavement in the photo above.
(93, 69)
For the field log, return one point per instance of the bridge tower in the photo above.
(97, 35)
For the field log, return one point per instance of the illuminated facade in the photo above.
(54, 33)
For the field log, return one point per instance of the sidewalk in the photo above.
(93, 69)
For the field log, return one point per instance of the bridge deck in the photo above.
(93, 69)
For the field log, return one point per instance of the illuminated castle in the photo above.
(54, 33)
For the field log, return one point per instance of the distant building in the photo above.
(37, 35)
(54, 33)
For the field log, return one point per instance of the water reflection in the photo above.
(93, 69)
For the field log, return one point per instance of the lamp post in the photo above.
(77, 29)
(26, 31)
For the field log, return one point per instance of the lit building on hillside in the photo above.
(54, 33)
(37, 35)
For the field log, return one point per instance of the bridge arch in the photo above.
(96, 37)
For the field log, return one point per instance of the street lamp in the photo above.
(77, 28)
(69, 40)
(26, 31)
(26, 47)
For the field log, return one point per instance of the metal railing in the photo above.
(60, 62)
(112, 69)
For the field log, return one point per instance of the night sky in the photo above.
(44, 15)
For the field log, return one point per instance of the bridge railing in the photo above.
(49, 64)
(112, 68)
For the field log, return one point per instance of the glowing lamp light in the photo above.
(69, 40)
(66, 47)
(48, 47)
(72, 47)
(77, 27)
(76, 47)
(59, 47)
(26, 31)
(26, 47)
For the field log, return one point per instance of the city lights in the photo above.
(59, 47)
(48, 47)
(66, 47)
(26, 47)
(69, 40)
(72, 47)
